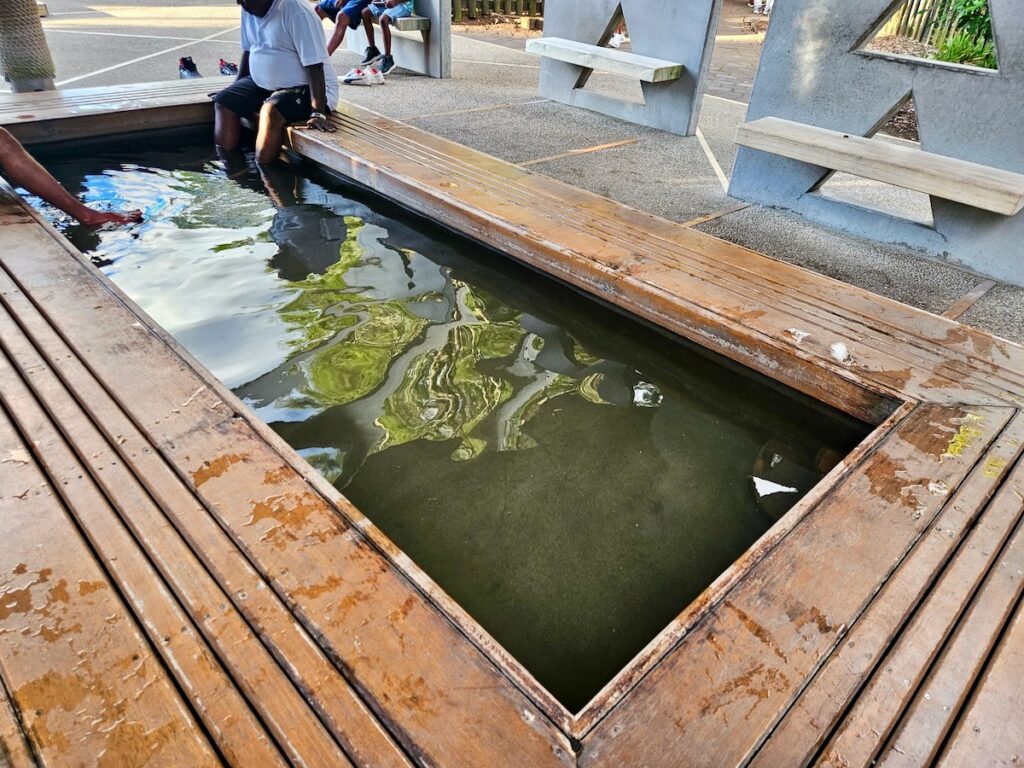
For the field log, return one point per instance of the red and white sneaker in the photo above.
(355, 76)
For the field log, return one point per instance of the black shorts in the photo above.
(245, 98)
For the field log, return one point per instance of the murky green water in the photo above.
(571, 477)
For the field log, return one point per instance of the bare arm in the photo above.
(243, 66)
(318, 96)
(22, 170)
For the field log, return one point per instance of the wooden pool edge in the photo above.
(875, 393)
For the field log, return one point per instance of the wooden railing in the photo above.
(475, 9)
(926, 21)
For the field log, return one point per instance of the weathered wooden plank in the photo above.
(396, 647)
(714, 698)
(14, 750)
(691, 616)
(980, 186)
(624, 63)
(596, 267)
(798, 317)
(75, 663)
(989, 731)
(450, 171)
(314, 675)
(76, 113)
(893, 685)
(799, 736)
(940, 697)
(205, 612)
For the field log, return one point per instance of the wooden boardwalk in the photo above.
(177, 586)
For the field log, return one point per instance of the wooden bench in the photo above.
(980, 186)
(632, 65)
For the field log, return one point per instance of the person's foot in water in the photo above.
(96, 218)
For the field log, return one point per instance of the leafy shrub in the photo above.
(961, 48)
(972, 18)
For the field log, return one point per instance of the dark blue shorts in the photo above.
(354, 10)
(245, 99)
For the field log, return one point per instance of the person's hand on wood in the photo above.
(318, 120)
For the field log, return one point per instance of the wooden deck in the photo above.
(177, 586)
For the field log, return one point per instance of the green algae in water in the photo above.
(572, 477)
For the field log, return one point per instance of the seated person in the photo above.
(21, 170)
(345, 14)
(384, 11)
(285, 75)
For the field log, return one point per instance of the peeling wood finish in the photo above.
(382, 637)
(879, 620)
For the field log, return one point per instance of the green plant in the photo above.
(961, 48)
(971, 18)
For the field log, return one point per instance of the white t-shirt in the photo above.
(284, 41)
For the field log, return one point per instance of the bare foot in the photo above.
(97, 218)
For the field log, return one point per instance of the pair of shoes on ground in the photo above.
(360, 76)
(187, 69)
(373, 55)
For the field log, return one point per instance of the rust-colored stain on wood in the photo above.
(177, 587)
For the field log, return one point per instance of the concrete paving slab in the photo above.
(532, 131)
(886, 270)
(1000, 311)
(407, 95)
(663, 174)
(162, 66)
(475, 49)
(82, 62)
(719, 119)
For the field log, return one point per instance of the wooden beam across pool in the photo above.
(178, 586)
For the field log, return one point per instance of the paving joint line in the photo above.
(208, 38)
(575, 152)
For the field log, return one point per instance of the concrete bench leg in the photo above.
(675, 31)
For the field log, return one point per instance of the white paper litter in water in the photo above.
(767, 487)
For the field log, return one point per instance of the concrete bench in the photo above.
(411, 24)
(979, 186)
(632, 65)
(420, 43)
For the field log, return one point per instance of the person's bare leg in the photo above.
(368, 28)
(271, 135)
(22, 170)
(385, 31)
(227, 128)
(338, 35)
(234, 162)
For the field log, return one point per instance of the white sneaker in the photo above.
(374, 76)
(355, 76)
(616, 40)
